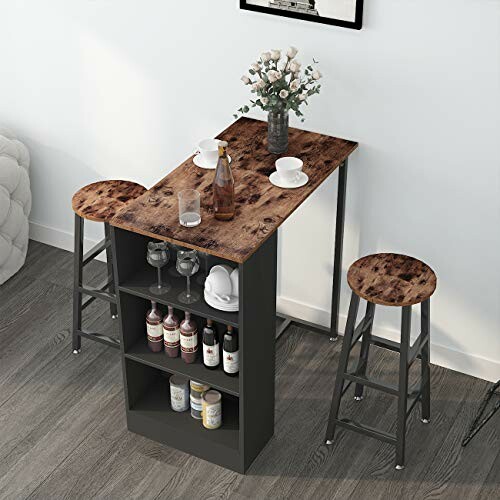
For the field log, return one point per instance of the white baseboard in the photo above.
(59, 238)
(470, 364)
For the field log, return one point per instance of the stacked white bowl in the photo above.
(221, 288)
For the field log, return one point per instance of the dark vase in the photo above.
(277, 131)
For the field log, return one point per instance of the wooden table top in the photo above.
(260, 207)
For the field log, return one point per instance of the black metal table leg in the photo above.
(425, 363)
(365, 348)
(77, 283)
(339, 246)
(113, 308)
(403, 388)
(342, 368)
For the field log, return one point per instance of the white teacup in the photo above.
(289, 168)
(208, 149)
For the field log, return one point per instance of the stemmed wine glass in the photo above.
(158, 256)
(187, 265)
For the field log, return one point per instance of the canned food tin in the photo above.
(198, 388)
(179, 393)
(212, 410)
(196, 407)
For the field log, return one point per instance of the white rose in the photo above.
(294, 85)
(272, 76)
(255, 86)
(302, 97)
(316, 75)
(282, 65)
(284, 94)
(266, 56)
(295, 66)
(261, 84)
(245, 79)
(275, 55)
(256, 66)
(292, 52)
(264, 100)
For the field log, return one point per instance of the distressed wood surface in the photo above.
(100, 201)
(260, 207)
(392, 279)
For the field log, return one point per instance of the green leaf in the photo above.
(246, 109)
(251, 71)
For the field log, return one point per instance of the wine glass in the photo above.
(187, 265)
(158, 256)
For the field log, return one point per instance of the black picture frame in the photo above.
(357, 24)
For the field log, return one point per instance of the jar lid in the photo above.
(212, 397)
(198, 386)
(178, 380)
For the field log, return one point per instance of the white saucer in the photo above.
(199, 163)
(231, 306)
(275, 179)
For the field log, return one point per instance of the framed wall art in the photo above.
(345, 13)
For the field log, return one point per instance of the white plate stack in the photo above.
(221, 288)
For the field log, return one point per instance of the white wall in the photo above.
(122, 88)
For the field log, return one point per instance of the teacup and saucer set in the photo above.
(207, 154)
(221, 288)
(289, 173)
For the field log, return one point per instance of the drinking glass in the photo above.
(158, 256)
(187, 265)
(189, 208)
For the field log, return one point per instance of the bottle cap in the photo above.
(222, 144)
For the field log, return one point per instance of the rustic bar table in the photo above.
(248, 242)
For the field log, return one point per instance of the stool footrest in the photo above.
(95, 251)
(386, 344)
(99, 337)
(381, 386)
(98, 293)
(101, 286)
(366, 430)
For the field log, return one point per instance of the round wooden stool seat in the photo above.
(391, 279)
(100, 201)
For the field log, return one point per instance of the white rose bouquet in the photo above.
(279, 82)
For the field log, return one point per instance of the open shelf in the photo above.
(214, 378)
(139, 285)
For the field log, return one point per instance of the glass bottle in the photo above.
(211, 355)
(189, 339)
(223, 186)
(171, 334)
(154, 328)
(230, 353)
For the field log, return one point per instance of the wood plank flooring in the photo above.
(63, 431)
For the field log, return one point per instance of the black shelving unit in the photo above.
(247, 400)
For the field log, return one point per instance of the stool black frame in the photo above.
(407, 399)
(103, 291)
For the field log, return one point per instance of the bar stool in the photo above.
(391, 280)
(97, 202)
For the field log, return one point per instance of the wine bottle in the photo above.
(154, 328)
(211, 356)
(171, 334)
(223, 186)
(230, 353)
(189, 339)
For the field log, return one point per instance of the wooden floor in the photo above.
(63, 432)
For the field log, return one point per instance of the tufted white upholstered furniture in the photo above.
(15, 204)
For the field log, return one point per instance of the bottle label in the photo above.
(155, 332)
(211, 355)
(231, 362)
(171, 337)
(189, 343)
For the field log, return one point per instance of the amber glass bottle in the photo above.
(223, 186)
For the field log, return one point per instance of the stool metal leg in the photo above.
(113, 308)
(365, 348)
(342, 368)
(77, 283)
(425, 366)
(403, 388)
